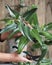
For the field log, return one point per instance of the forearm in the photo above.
(13, 57)
(6, 57)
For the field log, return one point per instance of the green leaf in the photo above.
(21, 27)
(23, 41)
(29, 13)
(12, 13)
(47, 35)
(31, 17)
(45, 60)
(34, 33)
(33, 20)
(7, 21)
(48, 27)
(8, 28)
(27, 33)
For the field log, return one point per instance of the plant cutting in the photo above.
(28, 26)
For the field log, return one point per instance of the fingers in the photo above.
(19, 58)
(23, 59)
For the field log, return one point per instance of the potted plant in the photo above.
(27, 25)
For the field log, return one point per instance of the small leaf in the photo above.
(29, 13)
(47, 35)
(8, 28)
(12, 13)
(7, 21)
(48, 27)
(33, 20)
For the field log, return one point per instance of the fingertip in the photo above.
(30, 61)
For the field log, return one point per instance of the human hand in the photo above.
(19, 58)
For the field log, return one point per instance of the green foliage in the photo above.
(45, 62)
(8, 28)
(21, 27)
(47, 27)
(7, 21)
(34, 33)
(47, 35)
(12, 13)
(31, 16)
(23, 41)
(28, 25)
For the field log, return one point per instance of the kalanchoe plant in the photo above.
(28, 26)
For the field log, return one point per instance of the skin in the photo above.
(11, 57)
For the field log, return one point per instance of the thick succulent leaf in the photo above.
(12, 13)
(48, 27)
(23, 41)
(8, 28)
(34, 33)
(15, 31)
(47, 35)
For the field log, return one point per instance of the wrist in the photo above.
(13, 57)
